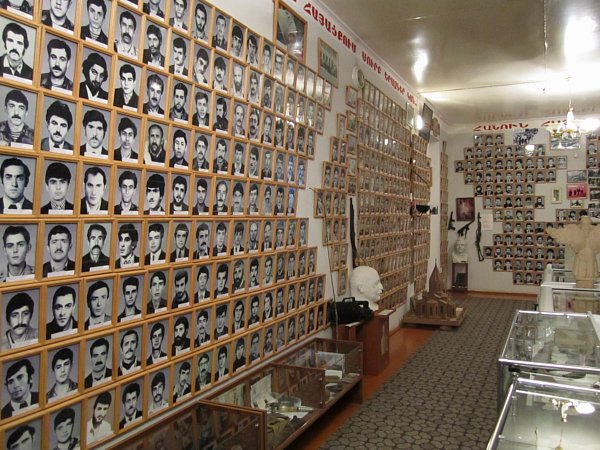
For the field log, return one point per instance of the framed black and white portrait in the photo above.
(57, 130)
(182, 383)
(157, 292)
(180, 101)
(65, 425)
(156, 243)
(17, 176)
(127, 32)
(127, 193)
(221, 114)
(238, 80)
(201, 21)
(129, 351)
(93, 140)
(128, 245)
(202, 108)
(96, 246)
(95, 192)
(156, 135)
(96, 68)
(62, 310)
(62, 375)
(180, 241)
(59, 187)
(180, 50)
(279, 98)
(29, 433)
(60, 241)
(17, 118)
(202, 195)
(159, 390)
(127, 86)
(95, 22)
(17, 51)
(180, 148)
(58, 60)
(20, 266)
(203, 282)
(182, 281)
(203, 240)
(155, 43)
(154, 198)
(100, 416)
(155, 8)
(155, 94)
(221, 67)
(132, 401)
(252, 49)
(201, 156)
(130, 293)
(18, 396)
(22, 319)
(59, 15)
(220, 34)
(180, 14)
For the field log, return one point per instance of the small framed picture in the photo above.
(290, 31)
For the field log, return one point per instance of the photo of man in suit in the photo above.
(222, 363)
(64, 303)
(155, 88)
(126, 96)
(59, 244)
(59, 121)
(178, 14)
(95, 71)
(14, 176)
(202, 328)
(179, 111)
(128, 188)
(155, 193)
(58, 54)
(220, 33)
(57, 181)
(94, 186)
(56, 15)
(98, 427)
(130, 289)
(202, 284)
(157, 337)
(128, 131)
(130, 398)
(155, 244)
(128, 238)
(62, 366)
(183, 384)
(181, 341)
(155, 153)
(203, 377)
(99, 371)
(95, 129)
(96, 235)
(19, 380)
(180, 252)
(152, 54)
(126, 43)
(222, 287)
(179, 57)
(156, 300)
(200, 21)
(16, 43)
(201, 117)
(129, 360)
(17, 244)
(14, 131)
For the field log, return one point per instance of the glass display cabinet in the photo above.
(341, 361)
(545, 415)
(561, 347)
(576, 300)
(558, 279)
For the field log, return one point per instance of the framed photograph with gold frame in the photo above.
(289, 31)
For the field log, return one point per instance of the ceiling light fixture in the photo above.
(571, 128)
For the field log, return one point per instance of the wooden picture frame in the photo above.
(289, 31)
(328, 62)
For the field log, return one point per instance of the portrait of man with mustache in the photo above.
(14, 131)
(95, 71)
(59, 120)
(16, 42)
(59, 243)
(126, 43)
(58, 55)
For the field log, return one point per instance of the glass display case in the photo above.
(576, 300)
(558, 279)
(562, 347)
(544, 415)
(341, 361)
(204, 425)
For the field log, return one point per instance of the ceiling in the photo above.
(480, 61)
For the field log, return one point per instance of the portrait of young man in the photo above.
(17, 59)
(156, 349)
(101, 413)
(95, 181)
(239, 238)
(127, 149)
(201, 70)
(155, 153)
(240, 354)
(239, 316)
(97, 235)
(56, 14)
(129, 355)
(156, 300)
(203, 373)
(126, 95)
(20, 381)
(238, 166)
(57, 62)
(179, 149)
(153, 53)
(202, 283)
(202, 195)
(201, 157)
(220, 163)
(254, 347)
(99, 367)
(202, 102)
(21, 320)
(254, 124)
(183, 381)
(179, 56)
(16, 128)
(154, 8)
(127, 245)
(126, 35)
(155, 194)
(95, 71)
(58, 131)
(97, 27)
(220, 75)
(239, 80)
(130, 397)
(253, 199)
(17, 242)
(65, 427)
(59, 250)
(179, 100)
(155, 102)
(221, 238)
(253, 159)
(254, 318)
(99, 304)
(181, 341)
(155, 244)
(58, 191)
(222, 363)
(202, 15)
(95, 134)
(220, 32)
(222, 195)
(63, 311)
(63, 369)
(221, 123)
(181, 251)
(130, 299)
(222, 281)
(15, 174)
(125, 203)
(158, 389)
(179, 14)
(202, 327)
(267, 165)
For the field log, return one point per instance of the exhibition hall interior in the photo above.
(268, 224)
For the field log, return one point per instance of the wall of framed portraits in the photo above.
(155, 218)
(525, 182)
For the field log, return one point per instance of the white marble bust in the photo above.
(366, 285)
(459, 253)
